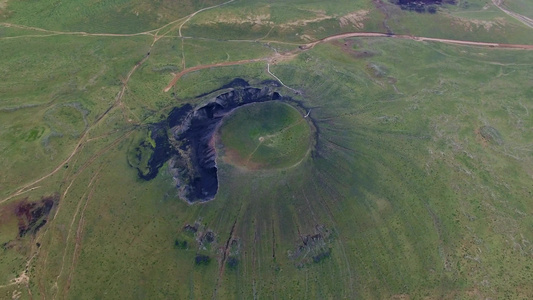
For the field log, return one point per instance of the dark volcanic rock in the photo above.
(422, 6)
(160, 154)
(194, 165)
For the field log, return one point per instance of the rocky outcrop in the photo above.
(186, 140)
(194, 164)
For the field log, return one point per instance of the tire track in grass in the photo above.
(82, 139)
(202, 67)
(333, 221)
(65, 250)
(256, 263)
(118, 103)
(77, 248)
(72, 179)
(199, 11)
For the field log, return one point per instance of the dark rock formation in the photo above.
(194, 167)
(422, 6)
(186, 139)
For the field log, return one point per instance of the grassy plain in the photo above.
(419, 184)
(522, 7)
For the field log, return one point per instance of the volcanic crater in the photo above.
(186, 139)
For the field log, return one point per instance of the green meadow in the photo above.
(266, 135)
(398, 169)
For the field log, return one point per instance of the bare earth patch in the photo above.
(471, 24)
(262, 16)
(355, 18)
(235, 159)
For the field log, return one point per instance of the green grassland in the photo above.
(266, 135)
(417, 185)
(117, 16)
(522, 7)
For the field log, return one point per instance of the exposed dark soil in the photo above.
(209, 237)
(32, 216)
(422, 6)
(194, 167)
(312, 248)
(160, 154)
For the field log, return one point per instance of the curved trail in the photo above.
(525, 20)
(84, 138)
(201, 67)
(118, 101)
(283, 84)
(199, 11)
(82, 33)
(288, 55)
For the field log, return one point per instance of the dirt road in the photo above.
(279, 56)
(525, 20)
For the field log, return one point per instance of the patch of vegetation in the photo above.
(491, 135)
(313, 249)
(232, 263)
(149, 151)
(180, 244)
(202, 260)
(69, 119)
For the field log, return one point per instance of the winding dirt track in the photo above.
(525, 20)
(201, 67)
(308, 46)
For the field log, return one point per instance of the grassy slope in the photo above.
(117, 16)
(435, 165)
(43, 79)
(522, 7)
(402, 179)
(415, 200)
